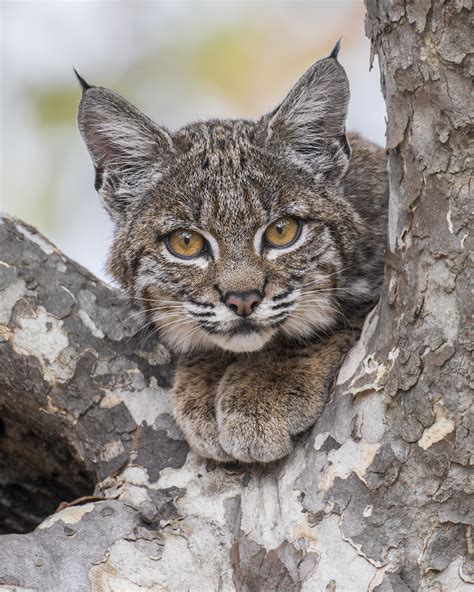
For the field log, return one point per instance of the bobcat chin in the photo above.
(240, 236)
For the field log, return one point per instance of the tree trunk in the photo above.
(375, 499)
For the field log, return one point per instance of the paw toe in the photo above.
(249, 441)
(215, 452)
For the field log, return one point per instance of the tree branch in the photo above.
(375, 499)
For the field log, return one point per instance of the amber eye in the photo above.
(282, 232)
(185, 243)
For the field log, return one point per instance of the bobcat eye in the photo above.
(185, 243)
(283, 232)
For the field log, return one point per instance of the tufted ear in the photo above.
(127, 148)
(310, 122)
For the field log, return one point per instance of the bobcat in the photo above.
(255, 247)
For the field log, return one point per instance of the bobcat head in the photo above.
(232, 232)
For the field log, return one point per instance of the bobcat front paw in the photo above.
(265, 400)
(250, 430)
(200, 430)
(193, 397)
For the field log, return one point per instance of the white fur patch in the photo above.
(243, 343)
(201, 262)
(359, 288)
(316, 312)
(212, 243)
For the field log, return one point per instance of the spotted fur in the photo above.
(228, 180)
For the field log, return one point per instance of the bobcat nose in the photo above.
(243, 303)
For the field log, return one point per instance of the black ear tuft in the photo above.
(309, 126)
(84, 84)
(129, 151)
(335, 52)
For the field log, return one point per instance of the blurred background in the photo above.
(177, 61)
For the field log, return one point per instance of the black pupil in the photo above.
(186, 236)
(280, 227)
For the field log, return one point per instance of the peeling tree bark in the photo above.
(375, 499)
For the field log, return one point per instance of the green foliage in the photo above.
(55, 104)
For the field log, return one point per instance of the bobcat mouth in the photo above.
(244, 335)
(244, 327)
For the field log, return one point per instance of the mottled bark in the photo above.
(377, 498)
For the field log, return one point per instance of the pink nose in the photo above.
(243, 303)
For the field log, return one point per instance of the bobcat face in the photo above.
(229, 232)
(234, 248)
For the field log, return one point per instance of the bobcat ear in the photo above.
(127, 149)
(310, 122)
